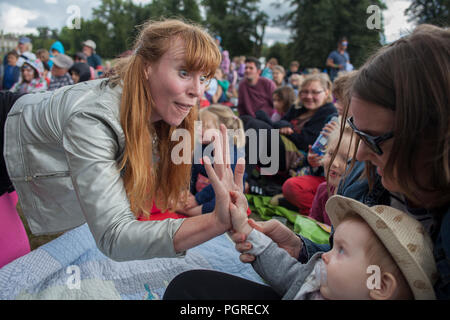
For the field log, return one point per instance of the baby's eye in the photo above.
(341, 250)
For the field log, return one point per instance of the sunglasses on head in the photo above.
(372, 142)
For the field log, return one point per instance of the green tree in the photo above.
(187, 9)
(429, 11)
(240, 23)
(317, 25)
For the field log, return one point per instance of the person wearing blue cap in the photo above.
(338, 59)
(218, 40)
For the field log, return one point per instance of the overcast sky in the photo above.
(23, 16)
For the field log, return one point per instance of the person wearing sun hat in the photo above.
(93, 59)
(402, 236)
(378, 253)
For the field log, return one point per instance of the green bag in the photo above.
(306, 227)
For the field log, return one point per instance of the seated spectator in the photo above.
(11, 72)
(300, 126)
(295, 81)
(60, 72)
(278, 75)
(268, 70)
(294, 68)
(44, 56)
(93, 59)
(222, 88)
(32, 78)
(203, 201)
(24, 50)
(283, 99)
(334, 172)
(340, 86)
(255, 92)
(80, 72)
(56, 48)
(81, 57)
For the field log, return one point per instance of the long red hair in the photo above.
(145, 178)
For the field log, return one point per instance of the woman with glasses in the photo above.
(32, 78)
(301, 125)
(401, 113)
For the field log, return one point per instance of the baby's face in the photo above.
(346, 264)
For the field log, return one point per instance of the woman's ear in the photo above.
(147, 71)
(388, 287)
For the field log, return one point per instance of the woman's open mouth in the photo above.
(184, 107)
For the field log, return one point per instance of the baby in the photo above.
(378, 253)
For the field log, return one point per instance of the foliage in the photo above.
(317, 25)
(430, 11)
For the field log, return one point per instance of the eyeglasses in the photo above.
(372, 142)
(314, 93)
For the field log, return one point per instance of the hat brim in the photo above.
(338, 207)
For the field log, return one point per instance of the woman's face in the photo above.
(174, 90)
(27, 73)
(313, 95)
(374, 120)
(277, 77)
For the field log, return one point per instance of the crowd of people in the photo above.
(23, 71)
(363, 151)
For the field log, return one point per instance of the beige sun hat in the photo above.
(403, 236)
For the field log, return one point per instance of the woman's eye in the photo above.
(183, 73)
(204, 79)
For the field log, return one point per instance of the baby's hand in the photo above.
(238, 211)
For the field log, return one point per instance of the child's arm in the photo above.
(275, 265)
(238, 212)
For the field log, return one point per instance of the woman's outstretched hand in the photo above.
(222, 178)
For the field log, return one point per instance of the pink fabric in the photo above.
(13, 237)
(318, 211)
(257, 97)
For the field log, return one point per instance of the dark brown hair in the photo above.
(411, 77)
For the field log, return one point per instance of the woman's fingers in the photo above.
(225, 146)
(212, 176)
(239, 172)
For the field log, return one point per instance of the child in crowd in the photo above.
(300, 190)
(32, 78)
(201, 198)
(295, 81)
(80, 72)
(379, 253)
(12, 71)
(333, 173)
(283, 99)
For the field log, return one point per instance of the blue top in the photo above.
(94, 61)
(340, 59)
(11, 76)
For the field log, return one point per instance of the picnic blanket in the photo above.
(71, 267)
(303, 225)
